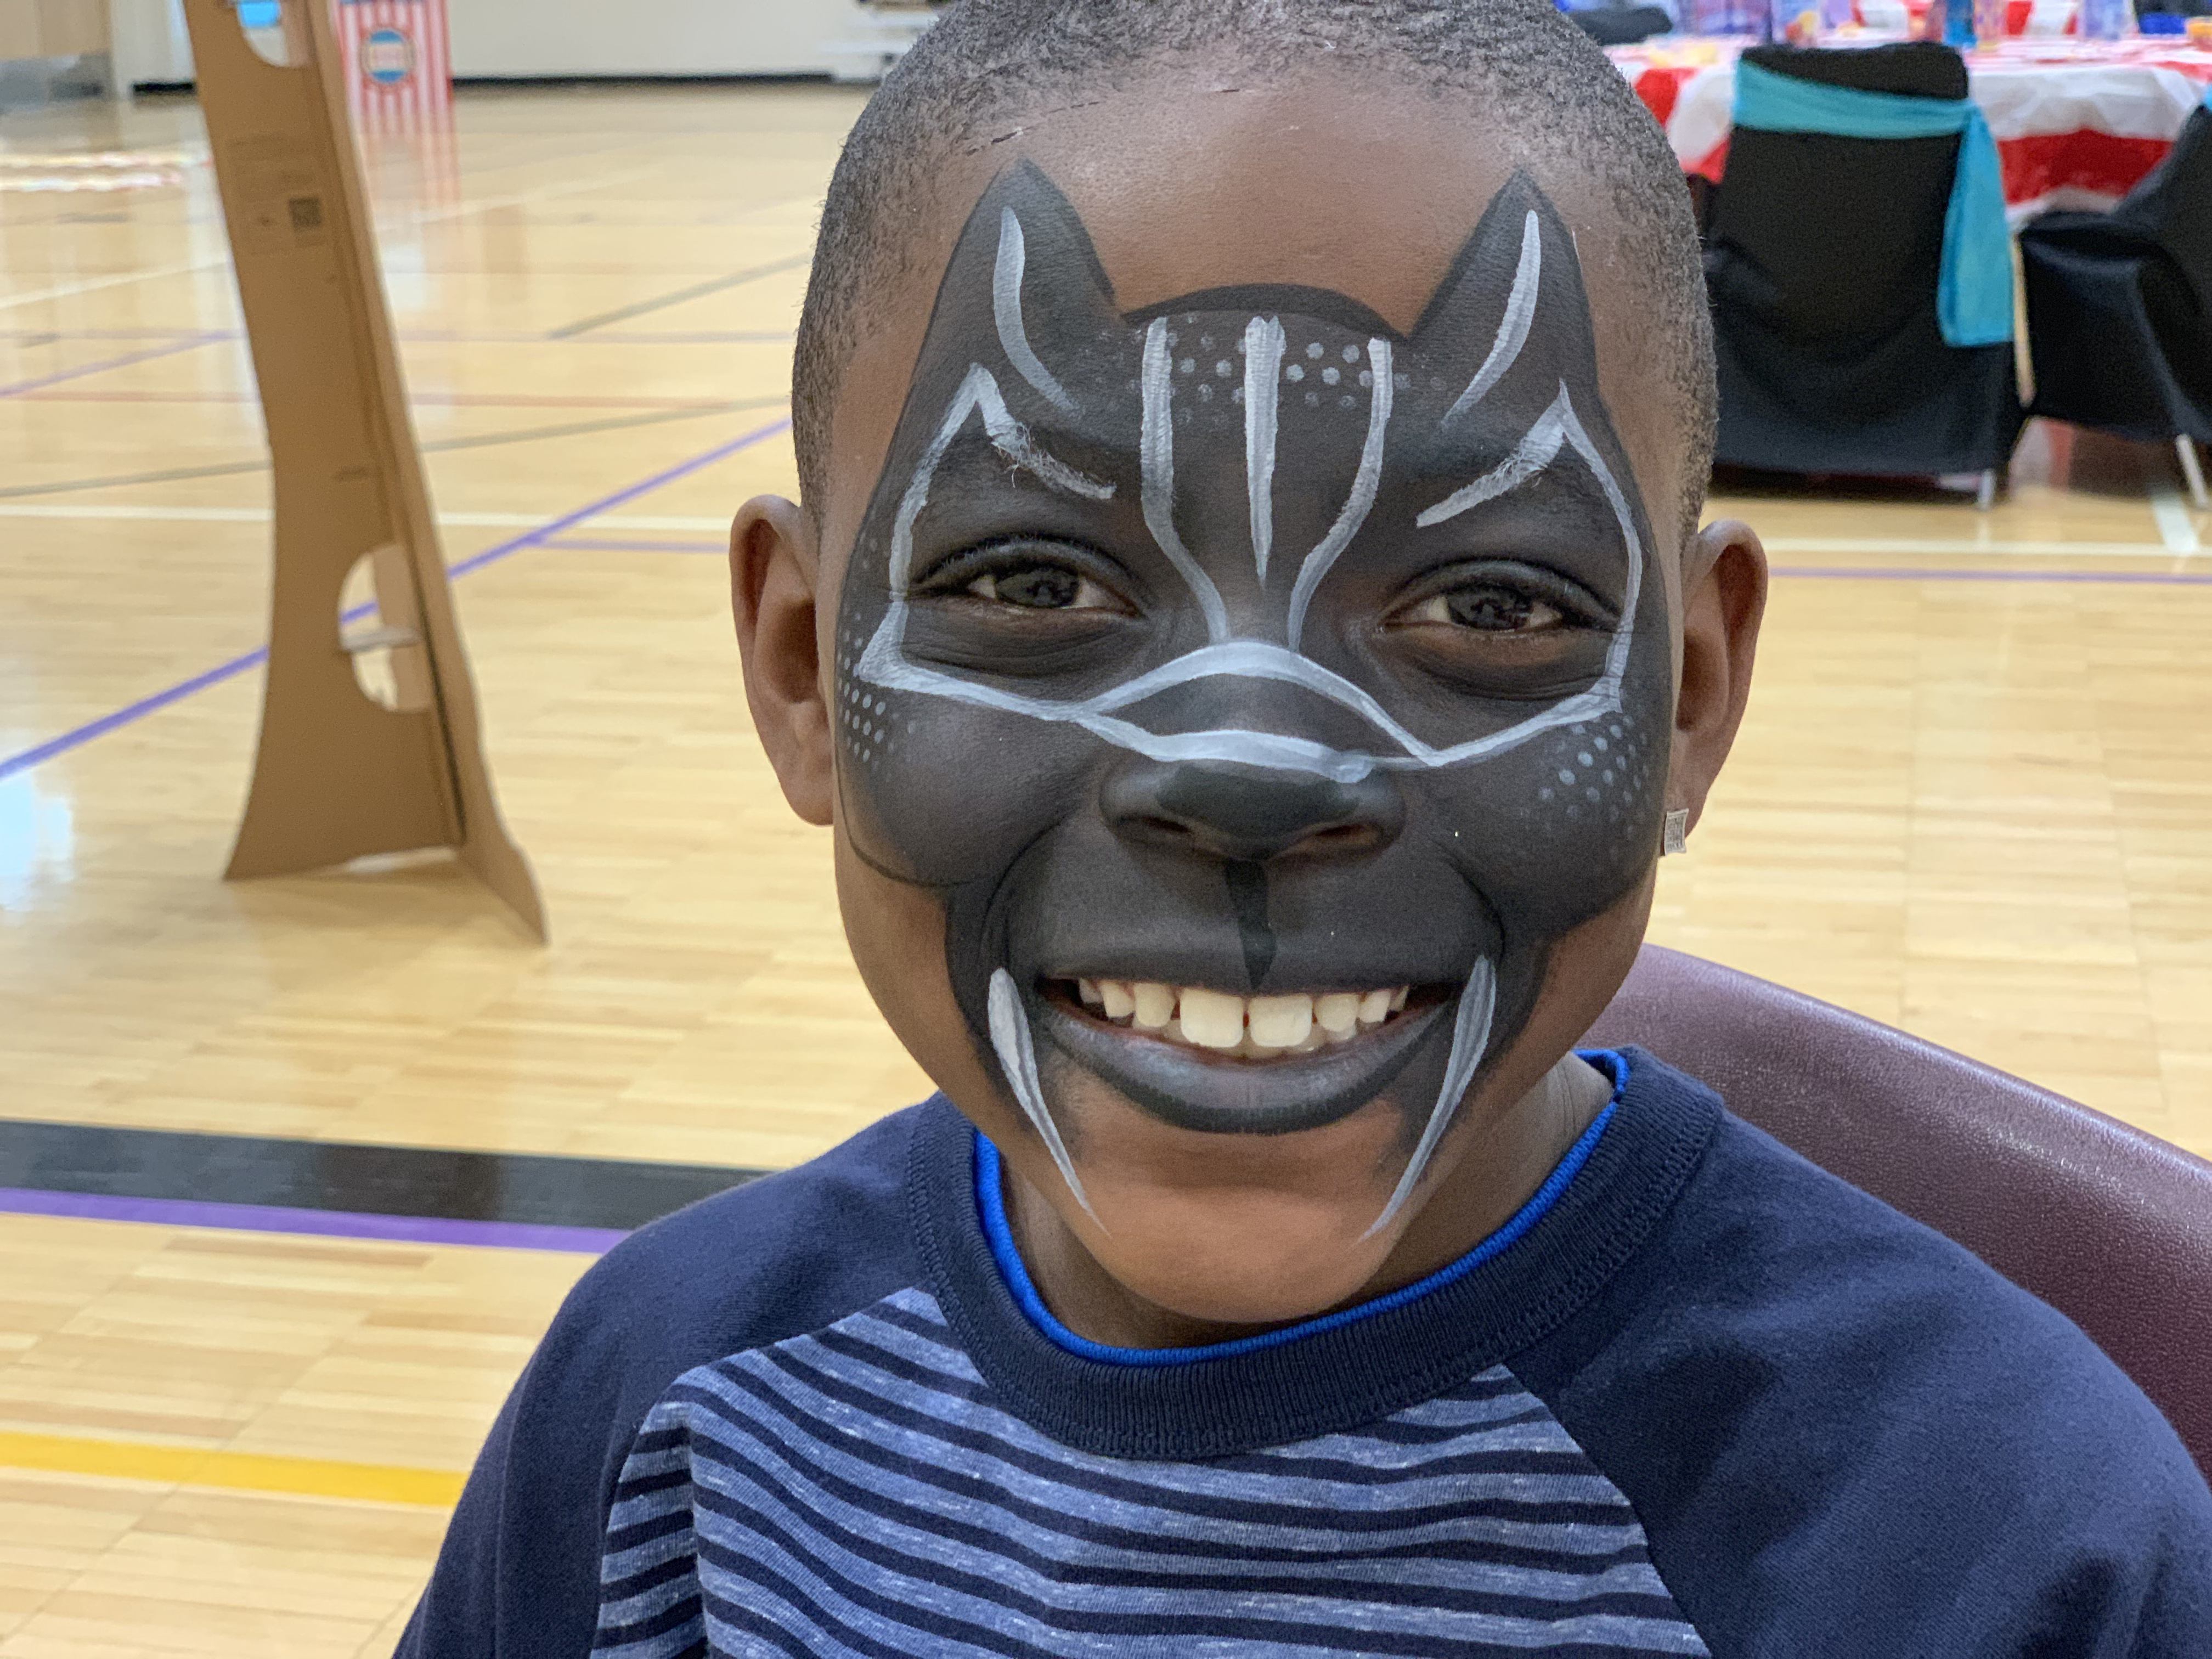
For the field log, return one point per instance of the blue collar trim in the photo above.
(991, 1209)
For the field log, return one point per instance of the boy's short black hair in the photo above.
(988, 61)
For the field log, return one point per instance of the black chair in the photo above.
(1821, 265)
(2119, 307)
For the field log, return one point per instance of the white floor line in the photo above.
(1965, 547)
(260, 515)
(2175, 527)
(93, 284)
(519, 198)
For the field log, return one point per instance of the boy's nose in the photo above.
(1250, 814)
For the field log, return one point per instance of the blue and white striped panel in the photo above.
(859, 1492)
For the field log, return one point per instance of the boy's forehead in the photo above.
(1324, 182)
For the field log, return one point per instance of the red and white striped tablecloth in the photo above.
(2077, 123)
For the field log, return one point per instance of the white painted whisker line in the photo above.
(1006, 312)
(1471, 1024)
(1513, 326)
(1535, 452)
(1364, 484)
(1263, 367)
(1016, 1052)
(1156, 461)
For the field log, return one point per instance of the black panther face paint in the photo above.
(1263, 690)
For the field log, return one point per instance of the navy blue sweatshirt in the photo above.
(1697, 1397)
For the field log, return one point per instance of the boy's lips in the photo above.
(1204, 1079)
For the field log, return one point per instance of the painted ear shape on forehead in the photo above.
(1510, 324)
(1024, 281)
(1026, 255)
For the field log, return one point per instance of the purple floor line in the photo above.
(323, 1224)
(79, 736)
(39, 753)
(125, 362)
(439, 336)
(592, 545)
(1877, 572)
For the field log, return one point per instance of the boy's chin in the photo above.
(1235, 1228)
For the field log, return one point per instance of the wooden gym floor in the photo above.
(1974, 798)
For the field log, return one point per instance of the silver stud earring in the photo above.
(1677, 836)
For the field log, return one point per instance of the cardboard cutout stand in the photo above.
(341, 773)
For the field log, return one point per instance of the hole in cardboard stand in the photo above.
(386, 655)
(269, 31)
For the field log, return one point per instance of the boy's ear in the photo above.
(1724, 597)
(772, 572)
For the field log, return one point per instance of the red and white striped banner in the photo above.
(398, 72)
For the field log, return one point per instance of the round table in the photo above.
(2077, 123)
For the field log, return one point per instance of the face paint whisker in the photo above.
(1006, 311)
(1513, 327)
(1010, 1039)
(1364, 484)
(1478, 1004)
(880, 665)
(1263, 367)
(1616, 659)
(1158, 443)
(1536, 451)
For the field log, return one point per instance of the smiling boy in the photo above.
(1249, 632)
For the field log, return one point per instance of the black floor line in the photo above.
(486, 440)
(535, 1187)
(698, 291)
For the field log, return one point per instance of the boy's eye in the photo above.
(1031, 574)
(1042, 587)
(1489, 608)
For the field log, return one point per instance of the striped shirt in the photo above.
(861, 1490)
(1697, 1397)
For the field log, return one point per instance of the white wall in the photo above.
(567, 37)
(648, 37)
(149, 42)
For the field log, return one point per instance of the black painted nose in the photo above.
(1248, 814)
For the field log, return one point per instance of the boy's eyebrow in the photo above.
(980, 403)
(1034, 454)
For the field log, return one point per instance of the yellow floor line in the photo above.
(184, 1465)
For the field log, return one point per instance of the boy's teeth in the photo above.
(1154, 1005)
(1338, 1013)
(1279, 1022)
(1211, 1019)
(1253, 1027)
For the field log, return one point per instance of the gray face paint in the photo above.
(1269, 481)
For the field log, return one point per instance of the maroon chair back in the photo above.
(2110, 1226)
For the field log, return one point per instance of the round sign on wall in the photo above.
(387, 57)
